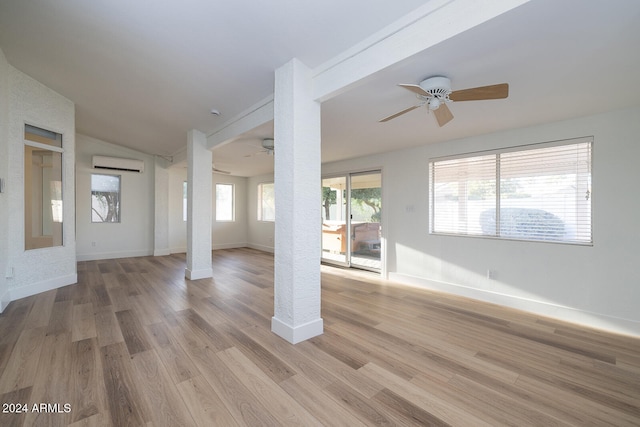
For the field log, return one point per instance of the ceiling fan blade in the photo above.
(399, 113)
(215, 169)
(498, 91)
(416, 89)
(443, 114)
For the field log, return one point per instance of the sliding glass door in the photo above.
(351, 220)
(335, 240)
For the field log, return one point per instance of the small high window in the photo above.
(105, 198)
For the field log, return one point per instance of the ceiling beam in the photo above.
(425, 27)
(253, 117)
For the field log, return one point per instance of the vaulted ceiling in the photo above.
(143, 73)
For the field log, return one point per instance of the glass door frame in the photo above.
(347, 221)
(348, 218)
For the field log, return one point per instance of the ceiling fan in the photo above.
(216, 170)
(435, 93)
(268, 148)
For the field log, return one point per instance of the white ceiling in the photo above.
(143, 73)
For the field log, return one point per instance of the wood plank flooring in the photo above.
(135, 343)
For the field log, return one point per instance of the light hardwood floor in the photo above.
(134, 343)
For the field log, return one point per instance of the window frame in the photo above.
(119, 206)
(233, 202)
(185, 208)
(497, 184)
(260, 206)
(43, 139)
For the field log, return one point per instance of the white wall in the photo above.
(24, 100)
(5, 297)
(594, 285)
(261, 233)
(223, 234)
(177, 226)
(133, 236)
(231, 234)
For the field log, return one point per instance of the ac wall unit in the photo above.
(118, 164)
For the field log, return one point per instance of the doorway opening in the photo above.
(351, 220)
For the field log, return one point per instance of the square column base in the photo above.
(299, 333)
(198, 274)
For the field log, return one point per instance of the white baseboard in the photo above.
(229, 246)
(203, 273)
(260, 247)
(43, 286)
(112, 255)
(543, 308)
(299, 333)
(161, 252)
(5, 299)
(183, 250)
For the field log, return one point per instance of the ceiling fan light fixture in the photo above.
(434, 103)
(267, 144)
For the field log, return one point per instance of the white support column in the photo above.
(161, 208)
(297, 197)
(199, 207)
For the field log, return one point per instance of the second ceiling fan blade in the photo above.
(498, 91)
(416, 89)
(399, 113)
(443, 114)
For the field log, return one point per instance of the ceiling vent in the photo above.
(118, 164)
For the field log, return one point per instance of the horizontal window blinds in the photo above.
(462, 190)
(539, 192)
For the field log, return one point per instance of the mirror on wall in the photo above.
(42, 188)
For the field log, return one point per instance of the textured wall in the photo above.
(39, 269)
(297, 225)
(4, 165)
(199, 211)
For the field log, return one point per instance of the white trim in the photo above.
(543, 308)
(203, 273)
(161, 252)
(261, 247)
(228, 246)
(5, 299)
(112, 255)
(299, 333)
(42, 146)
(43, 286)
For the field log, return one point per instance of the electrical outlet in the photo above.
(93, 244)
(9, 273)
(490, 274)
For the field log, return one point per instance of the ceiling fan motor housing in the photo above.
(439, 87)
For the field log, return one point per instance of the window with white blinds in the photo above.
(538, 192)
